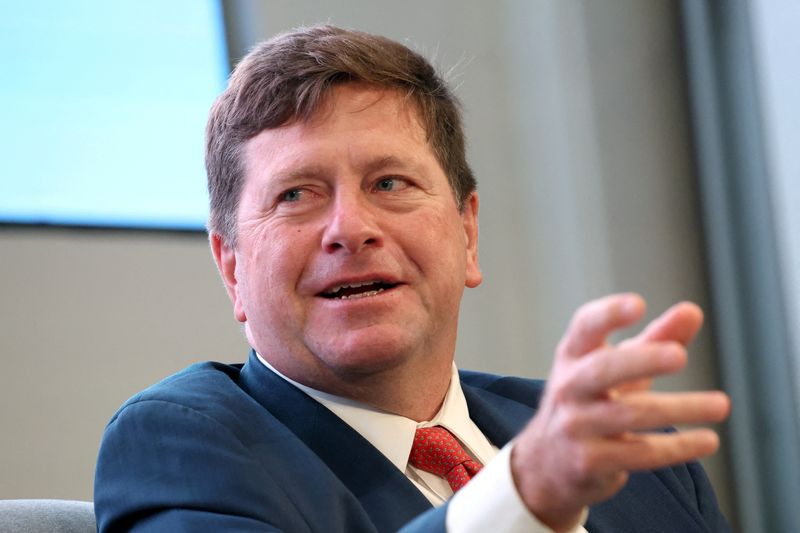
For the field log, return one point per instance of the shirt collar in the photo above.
(392, 434)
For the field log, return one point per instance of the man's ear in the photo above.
(469, 217)
(225, 258)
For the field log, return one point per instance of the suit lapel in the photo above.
(650, 500)
(499, 418)
(384, 492)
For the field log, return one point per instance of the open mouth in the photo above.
(357, 290)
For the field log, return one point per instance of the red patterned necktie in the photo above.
(437, 451)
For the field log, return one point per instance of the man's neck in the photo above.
(416, 394)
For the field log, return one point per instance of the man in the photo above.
(344, 226)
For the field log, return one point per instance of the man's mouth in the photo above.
(352, 291)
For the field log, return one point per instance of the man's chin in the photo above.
(357, 355)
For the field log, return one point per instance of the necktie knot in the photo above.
(437, 451)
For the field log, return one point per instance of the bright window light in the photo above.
(103, 110)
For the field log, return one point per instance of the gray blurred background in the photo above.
(590, 141)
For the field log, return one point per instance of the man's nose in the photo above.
(352, 225)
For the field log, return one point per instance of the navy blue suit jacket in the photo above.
(236, 448)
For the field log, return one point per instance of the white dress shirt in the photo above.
(489, 502)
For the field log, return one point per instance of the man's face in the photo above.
(352, 254)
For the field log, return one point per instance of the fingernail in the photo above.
(632, 304)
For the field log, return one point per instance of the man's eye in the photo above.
(292, 195)
(391, 184)
(386, 184)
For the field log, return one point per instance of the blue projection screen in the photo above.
(103, 110)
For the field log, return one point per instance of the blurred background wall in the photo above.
(580, 132)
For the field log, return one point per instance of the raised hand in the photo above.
(597, 417)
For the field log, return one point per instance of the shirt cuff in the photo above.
(490, 502)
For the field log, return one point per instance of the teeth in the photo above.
(360, 295)
(336, 292)
(351, 286)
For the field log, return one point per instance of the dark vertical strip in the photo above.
(749, 307)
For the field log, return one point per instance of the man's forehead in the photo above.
(348, 108)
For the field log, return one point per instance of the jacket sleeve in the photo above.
(163, 466)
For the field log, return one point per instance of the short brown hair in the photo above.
(288, 77)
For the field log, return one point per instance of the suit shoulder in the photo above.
(524, 390)
(196, 387)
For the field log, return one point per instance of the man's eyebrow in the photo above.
(295, 173)
(371, 166)
(378, 164)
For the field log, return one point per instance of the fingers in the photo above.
(650, 451)
(595, 420)
(679, 323)
(593, 322)
(640, 411)
(610, 367)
